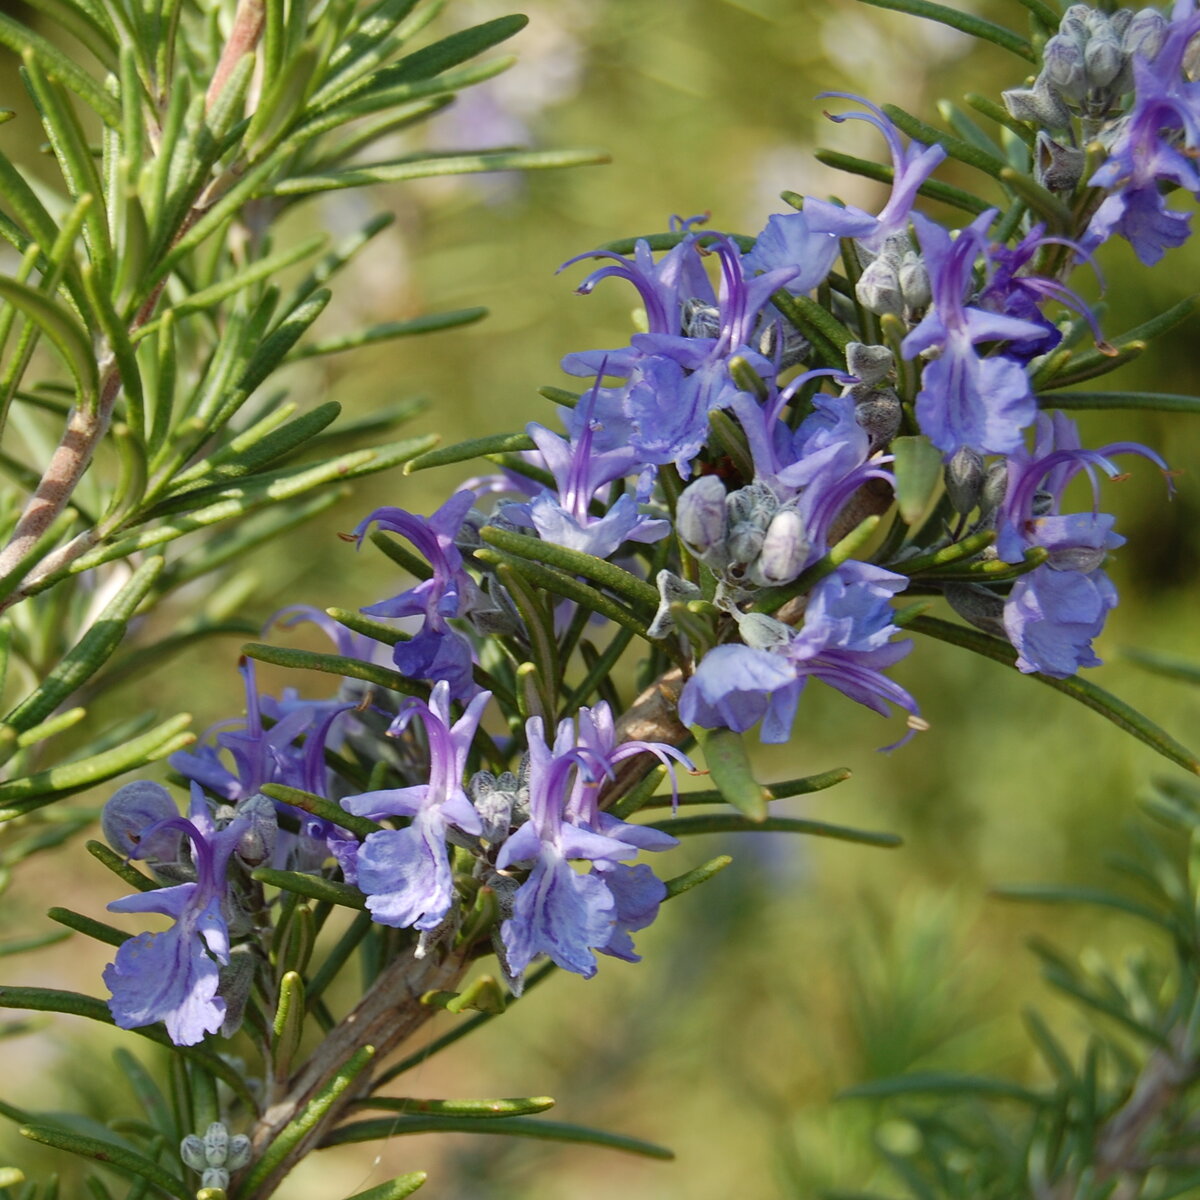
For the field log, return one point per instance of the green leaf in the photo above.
(1036, 893)
(454, 164)
(829, 337)
(92, 650)
(696, 876)
(21, 40)
(288, 1023)
(641, 596)
(945, 192)
(955, 147)
(310, 1116)
(774, 791)
(335, 664)
(1108, 706)
(111, 1154)
(312, 886)
(327, 810)
(496, 443)
(394, 1189)
(728, 763)
(389, 331)
(728, 823)
(1149, 401)
(941, 1083)
(98, 930)
(68, 336)
(953, 554)
(1041, 201)
(531, 1127)
(29, 792)
(977, 27)
(26, 944)
(1165, 664)
(468, 1109)
(918, 471)
(120, 867)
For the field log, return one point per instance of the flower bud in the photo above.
(1057, 168)
(1145, 34)
(1063, 66)
(215, 1177)
(786, 342)
(761, 632)
(1083, 559)
(914, 281)
(878, 413)
(191, 1150)
(1038, 105)
(869, 364)
(1119, 22)
(131, 812)
(1102, 60)
(700, 515)
(744, 542)
(995, 484)
(974, 603)
(964, 479)
(700, 319)
(239, 1152)
(216, 1144)
(785, 549)
(878, 287)
(256, 844)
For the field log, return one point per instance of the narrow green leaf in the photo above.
(389, 331)
(1108, 706)
(456, 164)
(829, 337)
(27, 944)
(21, 40)
(1150, 401)
(89, 653)
(728, 763)
(57, 724)
(1047, 14)
(108, 934)
(773, 599)
(496, 443)
(117, 336)
(29, 792)
(696, 876)
(641, 596)
(111, 1154)
(965, 22)
(394, 1189)
(469, 1109)
(327, 810)
(774, 791)
(538, 618)
(942, 1083)
(335, 664)
(310, 1116)
(728, 823)
(61, 328)
(312, 886)
(1057, 216)
(288, 1023)
(1165, 664)
(918, 469)
(956, 552)
(531, 1127)
(998, 113)
(1036, 893)
(945, 192)
(955, 147)
(120, 867)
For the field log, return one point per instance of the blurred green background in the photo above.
(806, 966)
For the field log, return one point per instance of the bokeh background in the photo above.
(807, 966)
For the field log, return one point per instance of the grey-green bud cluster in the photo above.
(895, 281)
(215, 1154)
(1087, 66)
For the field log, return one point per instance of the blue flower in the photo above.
(965, 399)
(405, 873)
(844, 641)
(174, 976)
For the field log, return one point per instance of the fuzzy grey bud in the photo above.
(215, 1177)
(1145, 34)
(239, 1152)
(1063, 67)
(974, 603)
(869, 364)
(914, 281)
(785, 548)
(1057, 168)
(700, 319)
(1103, 60)
(1191, 59)
(671, 590)
(131, 812)
(1038, 105)
(745, 541)
(1074, 23)
(761, 632)
(700, 515)
(964, 479)
(877, 411)
(191, 1150)
(256, 844)
(995, 484)
(216, 1144)
(878, 287)
(781, 340)
(236, 980)
(1077, 558)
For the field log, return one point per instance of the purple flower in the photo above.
(558, 911)
(174, 976)
(1053, 613)
(405, 873)
(1157, 144)
(789, 241)
(437, 652)
(845, 641)
(911, 167)
(965, 399)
